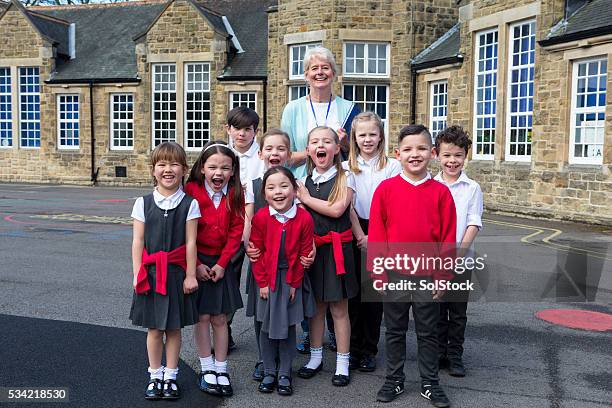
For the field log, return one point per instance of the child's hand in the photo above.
(190, 285)
(216, 273)
(307, 261)
(263, 293)
(362, 242)
(437, 294)
(203, 272)
(302, 193)
(252, 252)
(341, 134)
(291, 294)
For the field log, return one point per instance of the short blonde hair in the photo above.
(322, 53)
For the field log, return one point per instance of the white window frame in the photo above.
(366, 58)
(119, 121)
(589, 110)
(72, 121)
(22, 121)
(435, 105)
(297, 87)
(204, 85)
(364, 102)
(299, 61)
(240, 94)
(7, 123)
(172, 85)
(490, 116)
(529, 66)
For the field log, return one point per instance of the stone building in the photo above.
(528, 79)
(87, 91)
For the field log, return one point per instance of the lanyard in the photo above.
(315, 115)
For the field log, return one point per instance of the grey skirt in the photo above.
(222, 297)
(165, 312)
(278, 312)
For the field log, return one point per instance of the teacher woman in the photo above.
(319, 108)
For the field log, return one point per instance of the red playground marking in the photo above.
(112, 200)
(577, 319)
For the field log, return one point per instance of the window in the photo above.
(68, 121)
(246, 99)
(485, 102)
(366, 59)
(296, 92)
(29, 106)
(588, 118)
(6, 116)
(438, 107)
(197, 105)
(520, 93)
(372, 98)
(296, 59)
(164, 103)
(122, 121)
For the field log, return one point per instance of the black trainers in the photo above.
(456, 368)
(389, 391)
(435, 394)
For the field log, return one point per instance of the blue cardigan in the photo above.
(294, 121)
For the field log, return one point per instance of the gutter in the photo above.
(580, 35)
(457, 59)
(92, 81)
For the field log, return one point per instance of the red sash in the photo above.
(161, 260)
(336, 239)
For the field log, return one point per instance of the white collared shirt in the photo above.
(215, 197)
(416, 183)
(468, 202)
(368, 180)
(251, 166)
(286, 216)
(328, 175)
(165, 203)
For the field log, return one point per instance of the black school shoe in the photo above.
(171, 390)
(367, 364)
(354, 362)
(389, 391)
(212, 389)
(435, 394)
(268, 384)
(307, 373)
(456, 368)
(258, 373)
(154, 390)
(284, 389)
(226, 390)
(341, 380)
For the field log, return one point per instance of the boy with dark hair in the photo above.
(407, 211)
(452, 146)
(241, 127)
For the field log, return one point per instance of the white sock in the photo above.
(316, 356)
(208, 364)
(342, 363)
(221, 367)
(170, 373)
(156, 373)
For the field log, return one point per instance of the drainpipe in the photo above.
(413, 96)
(94, 171)
(265, 105)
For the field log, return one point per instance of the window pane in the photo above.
(197, 115)
(485, 91)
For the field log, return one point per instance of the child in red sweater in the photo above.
(412, 208)
(215, 183)
(284, 233)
